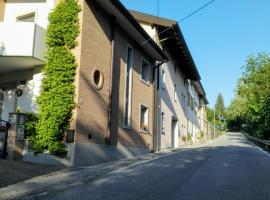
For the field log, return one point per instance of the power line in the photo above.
(194, 12)
(183, 19)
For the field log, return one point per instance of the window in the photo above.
(189, 100)
(174, 93)
(1, 101)
(145, 76)
(163, 78)
(183, 99)
(144, 118)
(162, 123)
(192, 103)
(29, 17)
(127, 112)
(97, 79)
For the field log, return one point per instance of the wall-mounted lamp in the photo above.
(19, 88)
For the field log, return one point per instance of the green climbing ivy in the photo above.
(56, 100)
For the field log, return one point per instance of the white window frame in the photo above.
(163, 122)
(128, 125)
(163, 78)
(174, 92)
(149, 68)
(140, 110)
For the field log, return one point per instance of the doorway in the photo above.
(175, 132)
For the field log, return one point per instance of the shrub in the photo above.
(189, 137)
(201, 135)
(184, 138)
(56, 101)
(31, 120)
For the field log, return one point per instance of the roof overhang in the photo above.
(172, 37)
(176, 45)
(199, 88)
(131, 26)
(18, 63)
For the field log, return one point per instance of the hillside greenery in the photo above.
(250, 109)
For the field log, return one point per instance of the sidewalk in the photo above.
(12, 172)
(40, 186)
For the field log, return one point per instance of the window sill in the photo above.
(127, 127)
(144, 132)
(145, 82)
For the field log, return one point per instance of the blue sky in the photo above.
(220, 37)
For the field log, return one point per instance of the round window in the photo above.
(97, 79)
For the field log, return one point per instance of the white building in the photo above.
(180, 94)
(22, 47)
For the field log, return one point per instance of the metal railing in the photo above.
(4, 125)
(260, 142)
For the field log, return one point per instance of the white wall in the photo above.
(42, 9)
(188, 120)
(17, 39)
(8, 104)
(37, 79)
(26, 103)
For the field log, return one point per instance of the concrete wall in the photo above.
(16, 8)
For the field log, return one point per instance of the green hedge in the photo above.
(56, 101)
(31, 120)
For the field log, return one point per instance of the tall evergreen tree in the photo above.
(219, 106)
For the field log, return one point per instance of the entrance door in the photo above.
(175, 131)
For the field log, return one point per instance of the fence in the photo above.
(262, 143)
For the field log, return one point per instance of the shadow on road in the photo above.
(229, 168)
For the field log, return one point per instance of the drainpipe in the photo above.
(155, 147)
(109, 138)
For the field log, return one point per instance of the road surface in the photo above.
(225, 169)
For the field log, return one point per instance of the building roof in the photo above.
(131, 26)
(171, 35)
(199, 87)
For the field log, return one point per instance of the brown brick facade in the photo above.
(92, 114)
(92, 118)
(2, 10)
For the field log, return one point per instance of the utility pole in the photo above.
(214, 121)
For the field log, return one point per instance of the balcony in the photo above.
(22, 46)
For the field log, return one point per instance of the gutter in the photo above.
(194, 68)
(110, 139)
(155, 146)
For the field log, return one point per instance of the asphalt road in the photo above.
(226, 169)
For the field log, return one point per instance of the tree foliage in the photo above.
(219, 106)
(218, 113)
(56, 100)
(250, 108)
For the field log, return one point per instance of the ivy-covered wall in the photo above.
(56, 101)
